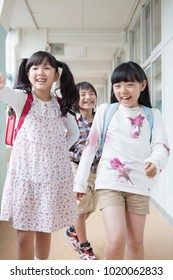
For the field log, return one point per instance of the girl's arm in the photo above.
(159, 146)
(14, 98)
(89, 152)
(72, 130)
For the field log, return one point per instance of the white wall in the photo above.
(168, 89)
(2, 115)
(163, 190)
(167, 23)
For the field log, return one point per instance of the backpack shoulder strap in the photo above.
(59, 99)
(110, 110)
(150, 118)
(25, 111)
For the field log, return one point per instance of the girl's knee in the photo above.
(24, 237)
(135, 244)
(117, 241)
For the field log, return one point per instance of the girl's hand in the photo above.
(79, 196)
(150, 169)
(2, 81)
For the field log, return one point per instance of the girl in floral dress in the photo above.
(37, 197)
(129, 163)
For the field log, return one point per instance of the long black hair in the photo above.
(68, 88)
(131, 72)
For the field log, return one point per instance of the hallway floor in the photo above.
(158, 239)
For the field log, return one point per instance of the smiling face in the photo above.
(87, 100)
(42, 77)
(127, 93)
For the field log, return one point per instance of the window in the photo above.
(156, 23)
(152, 27)
(147, 32)
(157, 83)
(145, 47)
(136, 42)
(148, 73)
(154, 75)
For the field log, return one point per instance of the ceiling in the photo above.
(87, 33)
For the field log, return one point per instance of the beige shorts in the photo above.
(88, 203)
(134, 203)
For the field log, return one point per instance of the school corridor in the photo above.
(158, 240)
(93, 37)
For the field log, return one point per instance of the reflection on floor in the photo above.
(158, 239)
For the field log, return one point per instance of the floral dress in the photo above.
(38, 193)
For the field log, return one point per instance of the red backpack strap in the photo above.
(77, 121)
(59, 99)
(25, 111)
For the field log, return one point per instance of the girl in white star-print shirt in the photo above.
(129, 162)
(38, 197)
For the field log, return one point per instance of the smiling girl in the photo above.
(129, 162)
(38, 191)
(77, 233)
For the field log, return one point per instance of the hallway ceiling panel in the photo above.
(91, 30)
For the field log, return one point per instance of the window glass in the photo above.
(147, 23)
(156, 22)
(148, 73)
(157, 83)
(136, 42)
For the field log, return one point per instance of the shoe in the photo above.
(72, 237)
(85, 252)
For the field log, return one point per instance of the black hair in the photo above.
(81, 86)
(131, 72)
(68, 88)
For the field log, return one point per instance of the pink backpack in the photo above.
(11, 131)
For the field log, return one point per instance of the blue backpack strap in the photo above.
(110, 110)
(150, 118)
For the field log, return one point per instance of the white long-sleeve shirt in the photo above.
(126, 149)
(16, 99)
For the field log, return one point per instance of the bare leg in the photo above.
(115, 228)
(43, 241)
(80, 227)
(25, 245)
(135, 233)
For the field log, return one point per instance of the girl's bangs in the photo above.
(125, 75)
(38, 58)
(86, 86)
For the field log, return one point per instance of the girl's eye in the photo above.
(116, 86)
(92, 93)
(130, 84)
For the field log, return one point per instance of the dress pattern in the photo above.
(38, 193)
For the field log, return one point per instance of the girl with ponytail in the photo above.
(37, 197)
